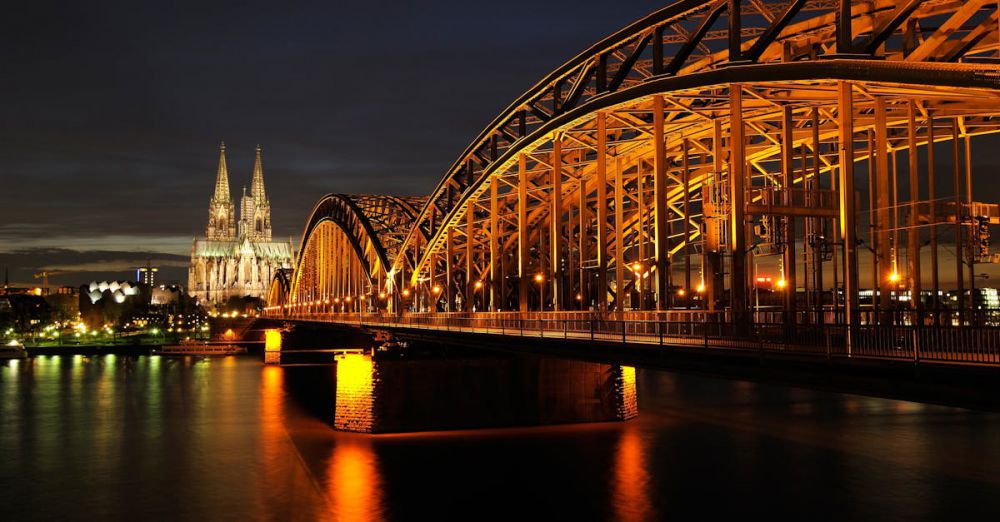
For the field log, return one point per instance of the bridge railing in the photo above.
(711, 330)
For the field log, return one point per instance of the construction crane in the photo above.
(44, 276)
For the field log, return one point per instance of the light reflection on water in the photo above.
(631, 479)
(129, 438)
(434, 392)
(354, 482)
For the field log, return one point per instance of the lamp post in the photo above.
(540, 280)
(405, 293)
(637, 269)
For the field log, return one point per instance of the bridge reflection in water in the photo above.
(370, 394)
(374, 395)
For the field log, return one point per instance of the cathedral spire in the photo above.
(257, 185)
(222, 178)
(221, 215)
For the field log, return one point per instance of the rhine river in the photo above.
(151, 438)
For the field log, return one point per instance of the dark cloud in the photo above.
(112, 111)
(73, 267)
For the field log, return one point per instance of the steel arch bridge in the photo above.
(346, 248)
(687, 159)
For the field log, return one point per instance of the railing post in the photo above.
(591, 328)
(705, 327)
(755, 329)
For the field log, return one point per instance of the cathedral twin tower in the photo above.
(255, 210)
(237, 258)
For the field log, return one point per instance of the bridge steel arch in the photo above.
(709, 137)
(709, 145)
(279, 291)
(345, 251)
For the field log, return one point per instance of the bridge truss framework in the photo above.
(675, 164)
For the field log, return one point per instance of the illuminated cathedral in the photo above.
(237, 257)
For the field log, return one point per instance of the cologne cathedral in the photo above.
(237, 258)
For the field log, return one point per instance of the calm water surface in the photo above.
(150, 438)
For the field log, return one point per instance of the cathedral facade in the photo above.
(237, 256)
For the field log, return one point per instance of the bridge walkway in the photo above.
(976, 346)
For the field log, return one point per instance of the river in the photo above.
(153, 438)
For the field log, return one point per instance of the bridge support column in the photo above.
(584, 216)
(496, 277)
(848, 213)
(449, 281)
(737, 211)
(886, 257)
(556, 219)
(522, 233)
(640, 288)
(619, 239)
(686, 228)
(957, 188)
(470, 239)
(971, 226)
(712, 271)
(661, 227)
(932, 197)
(602, 213)
(788, 176)
(818, 224)
(913, 247)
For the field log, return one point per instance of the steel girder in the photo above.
(373, 227)
(622, 159)
(690, 37)
(280, 289)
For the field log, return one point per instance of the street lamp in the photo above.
(540, 279)
(436, 290)
(637, 269)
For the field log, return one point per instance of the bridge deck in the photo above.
(978, 346)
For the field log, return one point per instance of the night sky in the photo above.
(112, 112)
